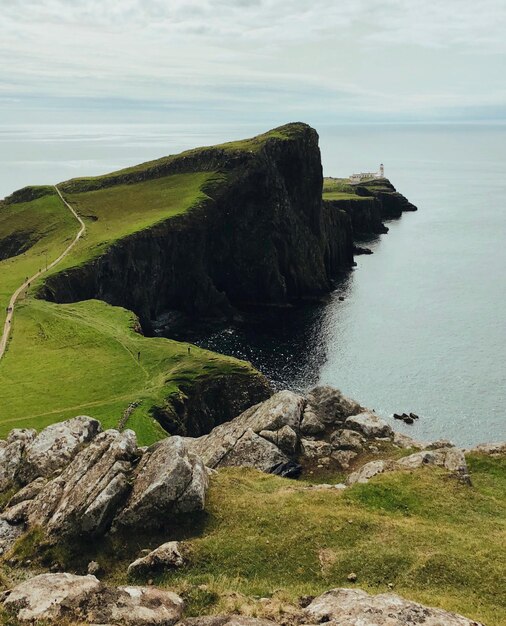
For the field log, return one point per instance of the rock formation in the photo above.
(52, 598)
(109, 480)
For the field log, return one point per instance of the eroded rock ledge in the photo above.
(75, 482)
(52, 598)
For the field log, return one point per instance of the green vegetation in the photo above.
(66, 360)
(423, 534)
(156, 168)
(435, 540)
(112, 213)
(43, 227)
(340, 189)
(63, 360)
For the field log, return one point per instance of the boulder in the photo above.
(11, 455)
(84, 499)
(353, 607)
(369, 424)
(452, 459)
(439, 443)
(425, 457)
(50, 597)
(238, 442)
(135, 606)
(367, 471)
(55, 446)
(491, 449)
(166, 556)
(330, 406)
(285, 439)
(168, 480)
(345, 439)
(404, 441)
(57, 598)
(310, 424)
(251, 450)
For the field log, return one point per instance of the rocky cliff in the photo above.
(262, 236)
(367, 204)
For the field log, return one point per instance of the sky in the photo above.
(321, 61)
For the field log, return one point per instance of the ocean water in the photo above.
(422, 325)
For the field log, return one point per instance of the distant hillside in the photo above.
(203, 232)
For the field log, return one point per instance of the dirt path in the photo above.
(12, 303)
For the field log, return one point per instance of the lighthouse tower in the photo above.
(382, 171)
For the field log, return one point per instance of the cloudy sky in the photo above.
(323, 61)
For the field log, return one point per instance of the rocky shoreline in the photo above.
(73, 482)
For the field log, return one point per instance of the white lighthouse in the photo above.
(382, 171)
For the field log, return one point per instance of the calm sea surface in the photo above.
(422, 327)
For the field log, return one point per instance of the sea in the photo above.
(418, 326)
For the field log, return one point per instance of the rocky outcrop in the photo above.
(168, 480)
(108, 479)
(450, 458)
(239, 442)
(55, 446)
(167, 556)
(53, 598)
(289, 429)
(351, 607)
(84, 499)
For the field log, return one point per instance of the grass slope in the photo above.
(435, 540)
(45, 226)
(340, 189)
(423, 534)
(64, 360)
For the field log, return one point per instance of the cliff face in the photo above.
(374, 202)
(264, 236)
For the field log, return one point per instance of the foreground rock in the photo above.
(288, 429)
(168, 480)
(350, 607)
(11, 455)
(55, 446)
(167, 556)
(84, 499)
(354, 607)
(239, 442)
(52, 598)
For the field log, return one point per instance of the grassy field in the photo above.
(66, 360)
(115, 212)
(435, 540)
(340, 189)
(63, 360)
(423, 534)
(46, 226)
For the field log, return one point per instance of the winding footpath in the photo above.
(26, 284)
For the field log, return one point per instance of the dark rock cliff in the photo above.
(264, 237)
(378, 200)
